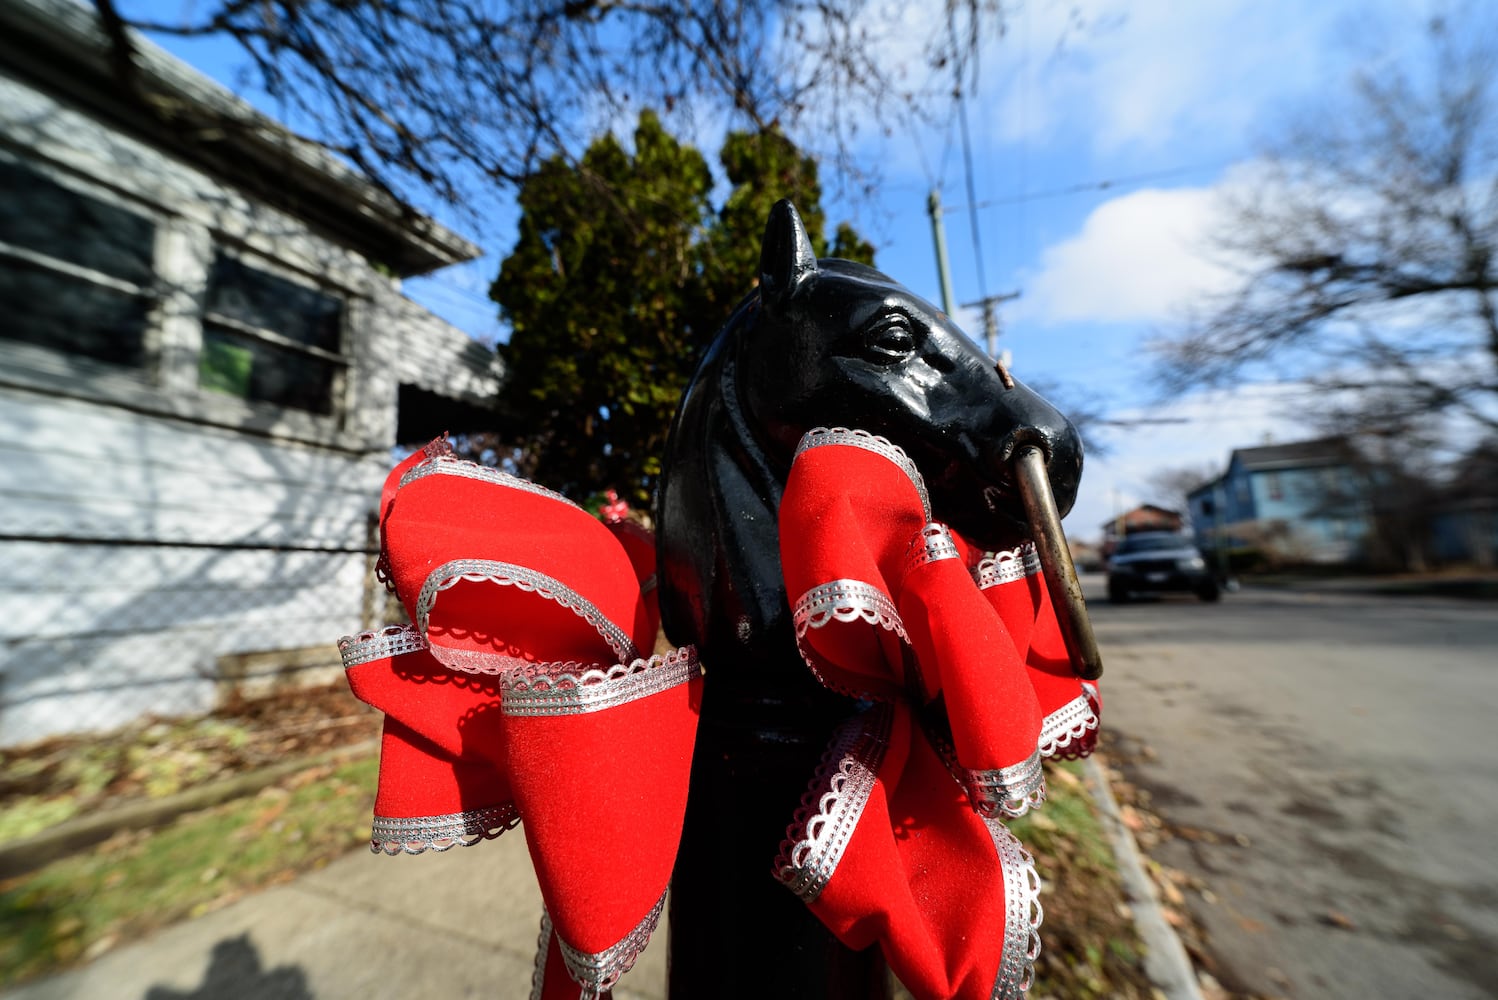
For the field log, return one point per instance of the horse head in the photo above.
(834, 343)
(841, 344)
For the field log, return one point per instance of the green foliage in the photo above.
(621, 275)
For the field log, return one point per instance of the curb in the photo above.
(23, 856)
(1165, 959)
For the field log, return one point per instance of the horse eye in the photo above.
(890, 341)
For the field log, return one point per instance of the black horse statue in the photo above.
(819, 343)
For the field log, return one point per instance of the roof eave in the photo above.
(360, 212)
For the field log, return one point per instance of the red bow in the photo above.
(525, 680)
(892, 606)
(523, 684)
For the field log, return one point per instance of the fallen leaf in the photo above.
(1336, 918)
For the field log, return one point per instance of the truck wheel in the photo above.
(1209, 592)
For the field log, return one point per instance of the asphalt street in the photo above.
(1328, 765)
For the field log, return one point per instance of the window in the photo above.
(269, 339)
(76, 272)
(1272, 484)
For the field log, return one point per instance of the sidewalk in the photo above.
(459, 924)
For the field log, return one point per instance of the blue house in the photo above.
(1464, 526)
(1297, 503)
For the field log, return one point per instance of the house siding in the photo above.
(1302, 512)
(164, 546)
(140, 553)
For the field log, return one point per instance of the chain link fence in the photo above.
(98, 635)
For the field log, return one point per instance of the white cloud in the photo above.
(1145, 72)
(1138, 258)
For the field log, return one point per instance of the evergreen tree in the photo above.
(621, 276)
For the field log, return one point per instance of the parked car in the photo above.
(1157, 562)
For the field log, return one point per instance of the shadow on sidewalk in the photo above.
(235, 973)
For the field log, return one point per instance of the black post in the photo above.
(735, 932)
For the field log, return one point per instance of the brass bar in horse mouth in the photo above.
(1056, 563)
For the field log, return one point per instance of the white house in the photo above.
(205, 362)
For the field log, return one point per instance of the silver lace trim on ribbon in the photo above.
(1022, 915)
(552, 689)
(1007, 566)
(832, 805)
(446, 465)
(1064, 732)
(523, 578)
(538, 975)
(845, 601)
(383, 573)
(394, 835)
(841, 601)
(1006, 791)
(390, 641)
(601, 970)
(881, 446)
(932, 543)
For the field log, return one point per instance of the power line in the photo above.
(967, 162)
(455, 294)
(1086, 186)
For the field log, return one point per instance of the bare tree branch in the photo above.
(1378, 212)
(443, 96)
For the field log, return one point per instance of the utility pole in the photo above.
(991, 319)
(939, 235)
(944, 272)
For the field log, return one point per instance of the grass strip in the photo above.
(1089, 948)
(76, 908)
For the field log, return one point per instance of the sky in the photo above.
(1103, 133)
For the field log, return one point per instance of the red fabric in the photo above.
(438, 519)
(529, 702)
(923, 878)
(438, 447)
(1025, 607)
(555, 981)
(990, 702)
(848, 513)
(853, 513)
(440, 753)
(521, 709)
(603, 818)
(638, 543)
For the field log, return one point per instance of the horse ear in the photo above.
(786, 258)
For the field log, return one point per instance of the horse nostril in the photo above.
(1024, 435)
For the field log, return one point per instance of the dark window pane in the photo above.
(256, 298)
(39, 214)
(243, 366)
(71, 315)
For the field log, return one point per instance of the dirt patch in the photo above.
(46, 783)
